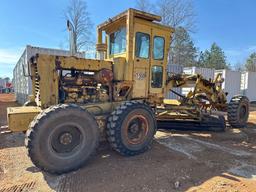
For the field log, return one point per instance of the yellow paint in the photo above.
(119, 68)
(19, 118)
(129, 70)
(136, 69)
(46, 67)
(171, 102)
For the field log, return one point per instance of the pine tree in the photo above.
(251, 63)
(183, 50)
(215, 58)
(201, 59)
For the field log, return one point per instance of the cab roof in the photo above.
(139, 14)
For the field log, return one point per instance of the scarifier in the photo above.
(120, 96)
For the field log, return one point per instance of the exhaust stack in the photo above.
(72, 39)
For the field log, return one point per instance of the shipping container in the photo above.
(248, 87)
(22, 84)
(174, 69)
(207, 73)
(232, 82)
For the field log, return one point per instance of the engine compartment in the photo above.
(85, 86)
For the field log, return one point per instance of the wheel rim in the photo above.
(66, 139)
(243, 113)
(136, 129)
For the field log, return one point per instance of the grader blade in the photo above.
(211, 123)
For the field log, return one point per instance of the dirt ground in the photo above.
(178, 161)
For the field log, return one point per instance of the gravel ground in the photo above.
(178, 161)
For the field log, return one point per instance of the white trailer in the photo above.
(232, 82)
(248, 85)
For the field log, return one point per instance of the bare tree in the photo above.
(174, 13)
(144, 5)
(238, 66)
(177, 13)
(79, 17)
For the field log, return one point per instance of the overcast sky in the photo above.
(229, 23)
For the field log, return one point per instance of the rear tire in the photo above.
(131, 128)
(62, 138)
(238, 111)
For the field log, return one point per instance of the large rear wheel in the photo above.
(62, 138)
(131, 128)
(238, 111)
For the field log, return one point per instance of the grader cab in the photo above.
(120, 96)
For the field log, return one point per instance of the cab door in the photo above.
(158, 62)
(142, 59)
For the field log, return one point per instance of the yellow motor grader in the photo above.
(120, 96)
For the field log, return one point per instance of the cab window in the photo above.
(142, 45)
(157, 77)
(158, 51)
(118, 41)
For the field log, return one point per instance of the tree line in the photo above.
(180, 15)
(184, 53)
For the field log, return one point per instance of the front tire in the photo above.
(62, 138)
(238, 111)
(131, 128)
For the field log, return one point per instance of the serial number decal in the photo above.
(140, 76)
